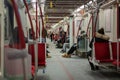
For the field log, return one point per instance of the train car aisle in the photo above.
(75, 68)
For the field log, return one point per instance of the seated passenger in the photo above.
(99, 37)
(65, 45)
(71, 50)
(44, 36)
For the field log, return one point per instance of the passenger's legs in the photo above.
(89, 54)
(65, 45)
(71, 50)
(47, 55)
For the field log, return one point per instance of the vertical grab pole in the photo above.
(67, 33)
(41, 17)
(19, 23)
(36, 20)
(94, 26)
(86, 40)
(29, 18)
(89, 24)
(79, 28)
(118, 54)
(20, 33)
(35, 46)
(71, 29)
(118, 37)
(94, 30)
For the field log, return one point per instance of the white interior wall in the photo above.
(104, 23)
(65, 28)
(23, 20)
(23, 17)
(15, 22)
(89, 33)
(2, 38)
(34, 25)
(85, 25)
(114, 23)
(28, 21)
(76, 26)
(85, 22)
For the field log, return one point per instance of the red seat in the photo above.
(41, 54)
(114, 51)
(102, 52)
(115, 63)
(33, 70)
(106, 60)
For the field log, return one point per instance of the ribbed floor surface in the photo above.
(75, 68)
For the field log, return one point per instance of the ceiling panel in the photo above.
(61, 9)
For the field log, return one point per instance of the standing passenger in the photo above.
(51, 36)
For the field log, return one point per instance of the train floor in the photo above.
(74, 68)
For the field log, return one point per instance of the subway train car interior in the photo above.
(59, 39)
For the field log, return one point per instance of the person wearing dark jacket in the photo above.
(72, 48)
(99, 37)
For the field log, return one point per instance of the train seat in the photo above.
(17, 63)
(102, 52)
(114, 51)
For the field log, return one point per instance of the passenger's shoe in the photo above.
(93, 69)
(48, 56)
(65, 55)
(62, 51)
(48, 51)
(97, 67)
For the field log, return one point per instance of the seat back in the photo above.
(41, 53)
(102, 51)
(114, 50)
